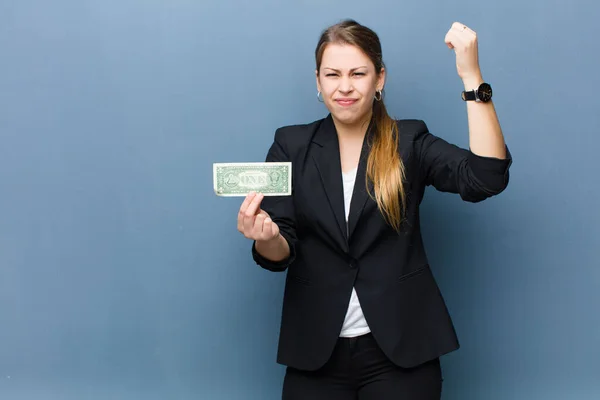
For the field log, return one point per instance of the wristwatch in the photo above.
(482, 94)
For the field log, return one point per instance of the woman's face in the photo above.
(348, 83)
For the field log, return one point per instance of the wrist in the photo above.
(270, 243)
(473, 82)
(275, 249)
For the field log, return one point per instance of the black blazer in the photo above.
(397, 291)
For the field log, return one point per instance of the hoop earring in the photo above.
(319, 97)
(380, 95)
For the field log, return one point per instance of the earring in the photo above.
(319, 97)
(379, 92)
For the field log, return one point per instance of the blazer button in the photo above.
(353, 263)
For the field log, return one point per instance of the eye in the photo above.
(359, 73)
(331, 74)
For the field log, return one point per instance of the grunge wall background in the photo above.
(122, 275)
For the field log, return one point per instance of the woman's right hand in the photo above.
(255, 223)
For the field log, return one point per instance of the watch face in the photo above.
(484, 92)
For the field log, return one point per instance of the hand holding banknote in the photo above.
(254, 222)
(255, 180)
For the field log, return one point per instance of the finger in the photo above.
(448, 40)
(242, 211)
(466, 29)
(462, 30)
(240, 222)
(254, 206)
(271, 227)
(459, 26)
(250, 215)
(258, 228)
(247, 201)
(268, 228)
(455, 40)
(248, 224)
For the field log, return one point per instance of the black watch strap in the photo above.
(468, 95)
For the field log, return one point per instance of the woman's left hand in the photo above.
(464, 42)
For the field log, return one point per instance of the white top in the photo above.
(354, 323)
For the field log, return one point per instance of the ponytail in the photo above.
(385, 168)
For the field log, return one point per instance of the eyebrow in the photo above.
(353, 69)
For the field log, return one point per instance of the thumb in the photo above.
(274, 228)
(448, 40)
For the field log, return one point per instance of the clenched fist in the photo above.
(464, 42)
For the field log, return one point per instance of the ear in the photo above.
(317, 79)
(381, 80)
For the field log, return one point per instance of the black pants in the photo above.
(359, 370)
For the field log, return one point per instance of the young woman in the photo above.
(362, 316)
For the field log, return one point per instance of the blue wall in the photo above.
(123, 276)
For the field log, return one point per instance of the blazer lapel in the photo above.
(360, 194)
(327, 160)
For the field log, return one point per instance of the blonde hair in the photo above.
(384, 166)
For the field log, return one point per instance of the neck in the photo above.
(356, 130)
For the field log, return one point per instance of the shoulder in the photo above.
(288, 132)
(412, 133)
(291, 141)
(411, 127)
(297, 135)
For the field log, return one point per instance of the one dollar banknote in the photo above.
(239, 179)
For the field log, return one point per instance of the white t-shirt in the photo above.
(354, 323)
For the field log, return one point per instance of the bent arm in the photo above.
(450, 168)
(485, 134)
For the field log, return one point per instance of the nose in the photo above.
(345, 85)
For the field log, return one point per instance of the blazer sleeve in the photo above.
(450, 168)
(281, 211)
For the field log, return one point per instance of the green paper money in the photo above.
(239, 179)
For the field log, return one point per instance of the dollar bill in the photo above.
(239, 179)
